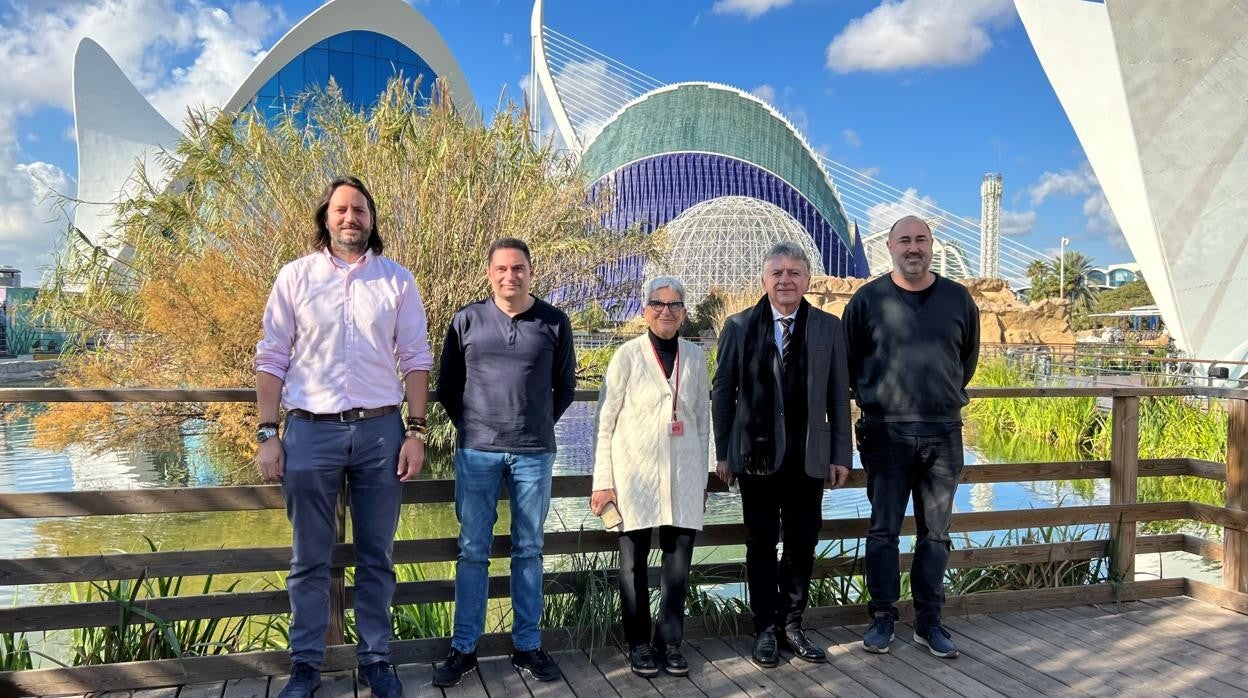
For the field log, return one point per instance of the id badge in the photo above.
(676, 428)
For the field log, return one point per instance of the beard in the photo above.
(355, 245)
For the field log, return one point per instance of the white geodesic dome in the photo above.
(720, 243)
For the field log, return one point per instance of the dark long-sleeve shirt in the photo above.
(911, 365)
(505, 381)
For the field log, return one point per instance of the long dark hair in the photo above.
(320, 240)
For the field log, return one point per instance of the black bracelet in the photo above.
(270, 425)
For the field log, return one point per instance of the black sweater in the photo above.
(666, 349)
(911, 365)
(505, 381)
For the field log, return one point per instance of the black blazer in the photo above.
(827, 431)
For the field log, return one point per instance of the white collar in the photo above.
(775, 314)
(344, 264)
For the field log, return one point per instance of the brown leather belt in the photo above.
(351, 415)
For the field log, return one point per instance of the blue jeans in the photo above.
(319, 456)
(904, 459)
(478, 476)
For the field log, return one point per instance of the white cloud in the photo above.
(872, 171)
(903, 34)
(750, 8)
(176, 52)
(31, 224)
(1064, 183)
(882, 215)
(765, 92)
(852, 139)
(230, 44)
(507, 39)
(1082, 182)
(1015, 223)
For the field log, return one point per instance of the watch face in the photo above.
(265, 434)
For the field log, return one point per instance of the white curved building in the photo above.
(360, 44)
(1156, 92)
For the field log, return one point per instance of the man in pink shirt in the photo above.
(344, 343)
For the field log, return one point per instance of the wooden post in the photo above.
(1124, 461)
(1235, 543)
(336, 633)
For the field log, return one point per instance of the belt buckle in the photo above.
(346, 415)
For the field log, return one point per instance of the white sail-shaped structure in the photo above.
(1156, 92)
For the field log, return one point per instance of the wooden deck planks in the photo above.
(417, 681)
(248, 688)
(1168, 646)
(203, 690)
(949, 673)
(1058, 662)
(582, 676)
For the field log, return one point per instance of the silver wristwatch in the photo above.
(265, 433)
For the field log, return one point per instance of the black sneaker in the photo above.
(454, 669)
(937, 640)
(880, 635)
(643, 662)
(674, 662)
(537, 664)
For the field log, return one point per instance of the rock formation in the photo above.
(1003, 319)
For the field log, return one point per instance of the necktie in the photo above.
(786, 340)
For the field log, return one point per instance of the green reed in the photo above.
(1029, 575)
(15, 652)
(1052, 429)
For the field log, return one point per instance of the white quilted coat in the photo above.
(658, 479)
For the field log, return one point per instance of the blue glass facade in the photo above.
(361, 63)
(650, 193)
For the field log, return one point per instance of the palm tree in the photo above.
(1076, 287)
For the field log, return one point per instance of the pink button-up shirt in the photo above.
(339, 335)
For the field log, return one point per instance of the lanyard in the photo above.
(675, 372)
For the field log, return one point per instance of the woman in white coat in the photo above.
(651, 460)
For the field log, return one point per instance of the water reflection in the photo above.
(24, 468)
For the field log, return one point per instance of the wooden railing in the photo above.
(1121, 516)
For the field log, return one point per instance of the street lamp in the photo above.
(1061, 274)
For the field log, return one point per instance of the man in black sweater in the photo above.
(508, 372)
(913, 344)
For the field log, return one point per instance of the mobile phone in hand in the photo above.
(611, 516)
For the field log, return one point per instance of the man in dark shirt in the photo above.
(508, 372)
(913, 345)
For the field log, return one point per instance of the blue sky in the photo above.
(923, 94)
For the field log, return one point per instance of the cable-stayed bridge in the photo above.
(575, 90)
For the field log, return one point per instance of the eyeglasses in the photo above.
(658, 306)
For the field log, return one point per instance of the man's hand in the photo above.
(599, 499)
(271, 460)
(721, 469)
(411, 459)
(837, 475)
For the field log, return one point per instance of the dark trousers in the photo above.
(677, 546)
(319, 456)
(786, 504)
(904, 459)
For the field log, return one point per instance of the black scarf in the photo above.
(758, 388)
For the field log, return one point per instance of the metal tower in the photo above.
(990, 227)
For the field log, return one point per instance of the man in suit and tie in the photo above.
(780, 400)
